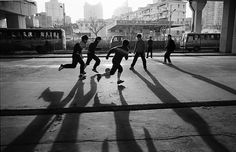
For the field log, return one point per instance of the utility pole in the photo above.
(170, 15)
(64, 15)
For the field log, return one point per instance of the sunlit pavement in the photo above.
(36, 83)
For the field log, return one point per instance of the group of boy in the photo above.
(120, 52)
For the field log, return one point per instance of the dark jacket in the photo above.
(170, 45)
(150, 42)
(77, 49)
(139, 46)
(120, 52)
(92, 47)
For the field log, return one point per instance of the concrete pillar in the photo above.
(228, 29)
(16, 21)
(197, 6)
(234, 34)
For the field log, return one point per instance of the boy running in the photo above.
(120, 52)
(77, 57)
(91, 54)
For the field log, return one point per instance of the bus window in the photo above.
(190, 38)
(15, 35)
(42, 35)
(2, 35)
(55, 35)
(212, 37)
(196, 37)
(202, 37)
(60, 35)
(115, 39)
(30, 35)
(25, 35)
(48, 35)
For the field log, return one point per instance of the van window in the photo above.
(190, 38)
(196, 37)
(115, 39)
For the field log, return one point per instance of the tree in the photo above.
(96, 25)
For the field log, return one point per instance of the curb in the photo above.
(161, 54)
(112, 108)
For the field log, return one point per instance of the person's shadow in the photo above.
(68, 132)
(41, 123)
(187, 114)
(205, 79)
(124, 134)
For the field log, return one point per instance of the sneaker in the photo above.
(99, 76)
(60, 68)
(120, 81)
(131, 68)
(94, 70)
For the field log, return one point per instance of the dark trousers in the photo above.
(93, 56)
(167, 56)
(116, 66)
(142, 55)
(75, 60)
(149, 50)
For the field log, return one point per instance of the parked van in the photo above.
(117, 40)
(197, 41)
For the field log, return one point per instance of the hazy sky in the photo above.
(74, 8)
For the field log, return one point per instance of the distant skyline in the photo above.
(74, 8)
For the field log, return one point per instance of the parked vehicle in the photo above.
(41, 40)
(117, 40)
(198, 41)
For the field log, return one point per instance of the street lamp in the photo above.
(64, 15)
(170, 13)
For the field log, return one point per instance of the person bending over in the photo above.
(120, 52)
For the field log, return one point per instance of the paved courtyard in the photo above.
(35, 83)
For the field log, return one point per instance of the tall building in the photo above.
(212, 15)
(44, 20)
(122, 9)
(93, 11)
(56, 11)
(68, 20)
(172, 10)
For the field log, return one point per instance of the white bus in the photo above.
(41, 40)
(198, 41)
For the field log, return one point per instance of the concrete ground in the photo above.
(35, 83)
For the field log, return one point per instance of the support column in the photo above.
(16, 21)
(234, 34)
(228, 29)
(197, 6)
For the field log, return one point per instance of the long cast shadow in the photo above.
(40, 124)
(149, 141)
(70, 126)
(187, 114)
(124, 134)
(220, 85)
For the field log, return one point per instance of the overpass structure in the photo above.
(15, 12)
(228, 31)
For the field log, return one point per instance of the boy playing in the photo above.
(77, 57)
(120, 52)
